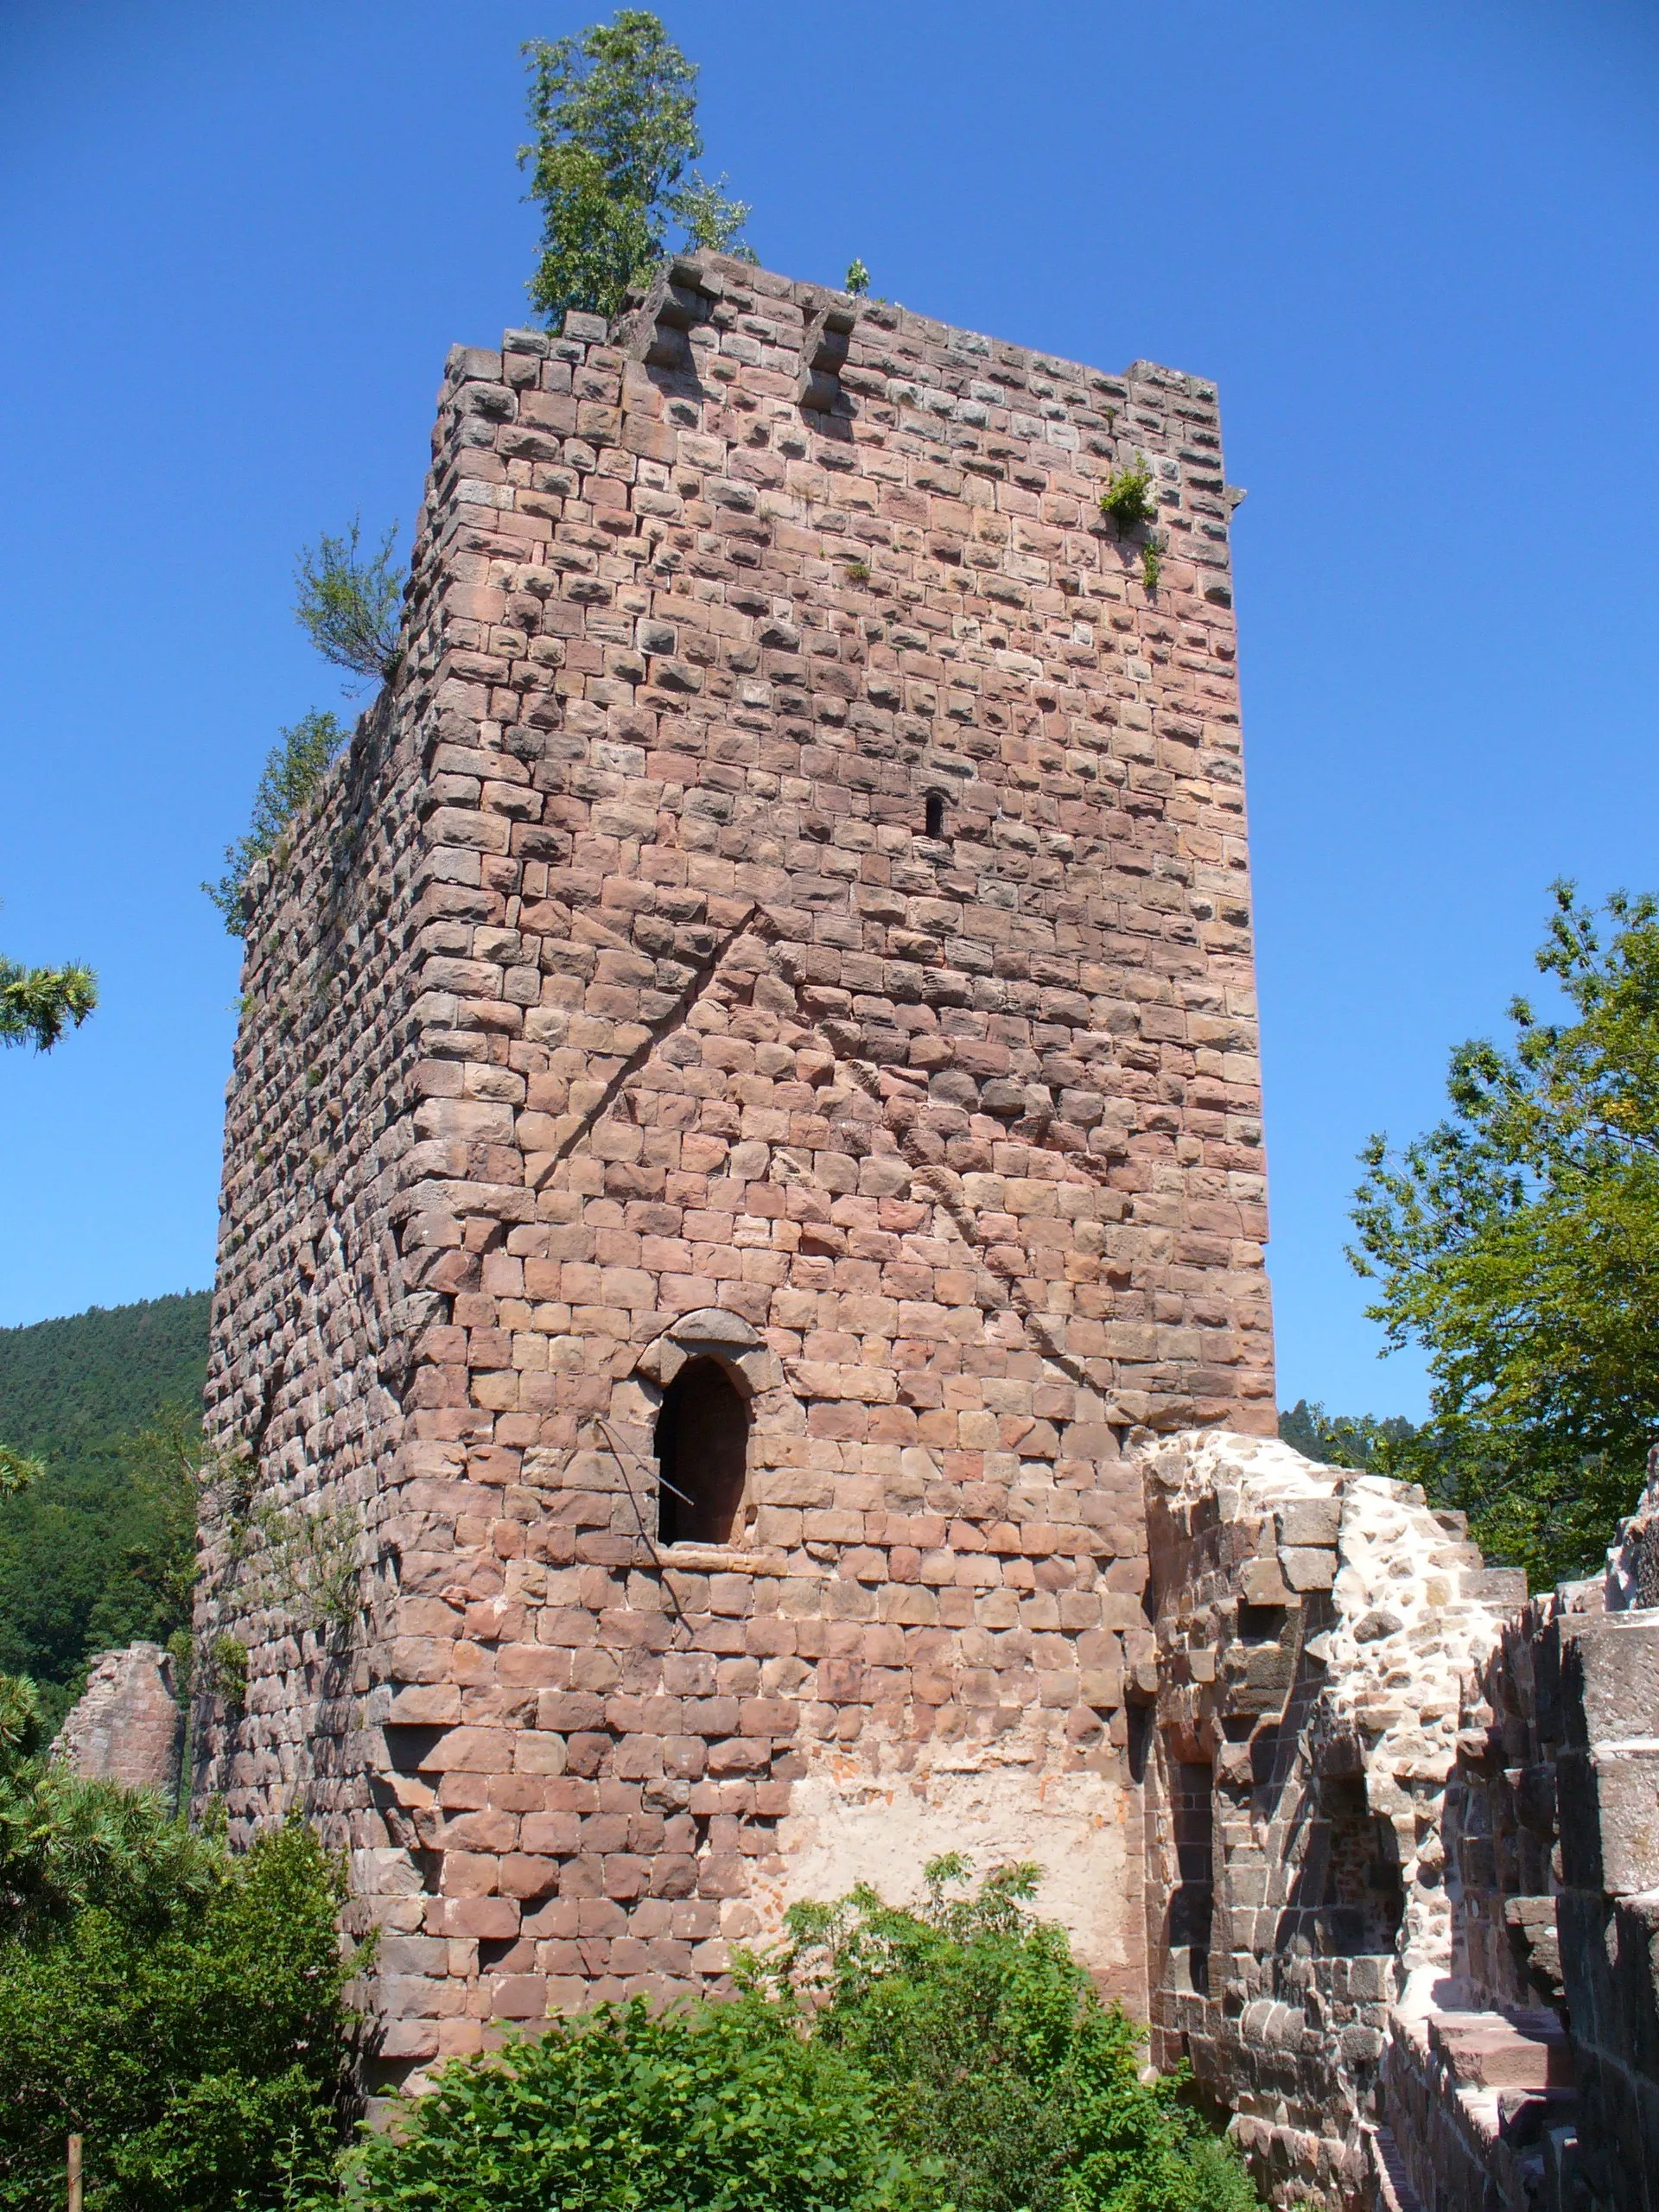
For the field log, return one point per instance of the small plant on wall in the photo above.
(309, 1564)
(227, 1672)
(1129, 498)
(1152, 565)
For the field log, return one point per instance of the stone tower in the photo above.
(747, 1101)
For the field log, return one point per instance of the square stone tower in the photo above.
(748, 1099)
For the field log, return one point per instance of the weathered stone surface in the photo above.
(1609, 1817)
(787, 921)
(127, 1725)
(1299, 1920)
(1609, 1677)
(1551, 1837)
(621, 1002)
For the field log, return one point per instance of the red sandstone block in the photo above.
(479, 1751)
(468, 1875)
(519, 1997)
(527, 1876)
(482, 1831)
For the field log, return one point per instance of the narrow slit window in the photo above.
(936, 814)
(1191, 1792)
(703, 1434)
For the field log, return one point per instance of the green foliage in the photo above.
(1152, 566)
(351, 606)
(858, 278)
(17, 1470)
(613, 117)
(295, 766)
(308, 1566)
(1345, 1440)
(180, 2008)
(36, 1004)
(955, 2059)
(722, 2107)
(226, 1675)
(101, 1548)
(991, 2054)
(1518, 1243)
(70, 1846)
(1128, 499)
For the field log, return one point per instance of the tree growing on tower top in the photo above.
(614, 116)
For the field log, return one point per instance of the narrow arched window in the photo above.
(703, 1434)
(936, 814)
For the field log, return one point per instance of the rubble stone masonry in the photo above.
(768, 995)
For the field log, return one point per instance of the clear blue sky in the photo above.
(1414, 243)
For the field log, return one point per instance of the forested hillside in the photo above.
(101, 1550)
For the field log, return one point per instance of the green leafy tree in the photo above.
(350, 603)
(99, 1547)
(38, 1004)
(70, 1845)
(710, 2108)
(613, 116)
(180, 2008)
(1518, 1243)
(1344, 1440)
(955, 2059)
(294, 767)
(992, 2054)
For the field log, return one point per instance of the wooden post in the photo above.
(74, 2173)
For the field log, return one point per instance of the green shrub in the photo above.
(1129, 498)
(293, 768)
(989, 2049)
(68, 1845)
(351, 606)
(178, 2007)
(711, 2107)
(955, 2059)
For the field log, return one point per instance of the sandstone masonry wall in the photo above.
(791, 910)
(126, 1726)
(324, 1282)
(1315, 1631)
(1532, 2079)
(1402, 1842)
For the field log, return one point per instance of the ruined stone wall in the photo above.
(1534, 2079)
(809, 935)
(1315, 1632)
(126, 1726)
(1403, 1842)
